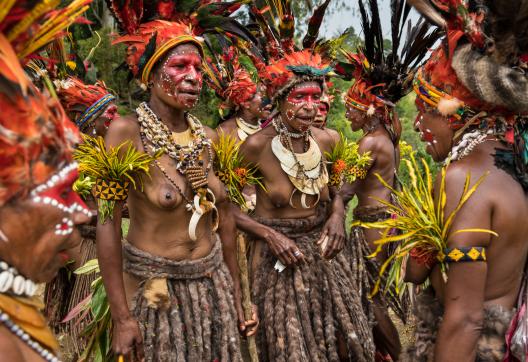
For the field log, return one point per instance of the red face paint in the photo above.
(310, 95)
(181, 77)
(323, 110)
(109, 114)
(58, 192)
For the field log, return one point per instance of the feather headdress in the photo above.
(282, 64)
(482, 66)
(36, 138)
(93, 99)
(152, 28)
(384, 75)
(230, 80)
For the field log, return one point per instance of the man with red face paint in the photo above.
(472, 99)
(172, 284)
(379, 82)
(39, 211)
(299, 277)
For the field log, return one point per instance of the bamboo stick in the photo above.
(246, 294)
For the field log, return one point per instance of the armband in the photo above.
(111, 190)
(463, 254)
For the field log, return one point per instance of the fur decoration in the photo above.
(448, 106)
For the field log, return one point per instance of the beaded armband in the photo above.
(111, 190)
(463, 254)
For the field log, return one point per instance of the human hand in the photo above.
(249, 327)
(284, 248)
(332, 239)
(127, 340)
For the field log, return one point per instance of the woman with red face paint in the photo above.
(302, 279)
(322, 112)
(39, 211)
(379, 82)
(172, 284)
(92, 108)
(306, 286)
(472, 99)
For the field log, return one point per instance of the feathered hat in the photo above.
(382, 75)
(36, 138)
(281, 65)
(477, 76)
(93, 99)
(153, 28)
(230, 80)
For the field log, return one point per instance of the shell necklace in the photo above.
(188, 161)
(245, 129)
(468, 142)
(306, 171)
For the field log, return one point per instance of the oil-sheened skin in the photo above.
(499, 204)
(384, 161)
(159, 219)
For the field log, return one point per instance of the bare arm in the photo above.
(227, 232)
(464, 295)
(126, 330)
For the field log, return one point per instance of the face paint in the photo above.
(305, 95)
(58, 193)
(181, 77)
(109, 114)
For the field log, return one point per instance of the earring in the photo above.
(94, 132)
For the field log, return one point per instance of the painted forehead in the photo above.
(307, 88)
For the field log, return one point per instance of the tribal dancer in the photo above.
(173, 284)
(471, 95)
(380, 81)
(92, 108)
(241, 94)
(38, 208)
(307, 301)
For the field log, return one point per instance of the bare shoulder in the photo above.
(211, 134)
(228, 126)
(252, 147)
(326, 138)
(9, 347)
(122, 129)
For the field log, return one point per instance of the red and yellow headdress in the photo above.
(477, 78)
(282, 65)
(230, 80)
(94, 99)
(36, 138)
(175, 23)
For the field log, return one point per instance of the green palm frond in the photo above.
(230, 169)
(421, 221)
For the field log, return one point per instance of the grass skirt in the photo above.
(185, 308)
(303, 308)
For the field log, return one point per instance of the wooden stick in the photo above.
(246, 294)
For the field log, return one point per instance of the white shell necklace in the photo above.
(245, 129)
(466, 145)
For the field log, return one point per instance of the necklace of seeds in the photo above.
(287, 136)
(187, 157)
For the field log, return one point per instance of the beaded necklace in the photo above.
(11, 282)
(245, 129)
(187, 157)
(188, 161)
